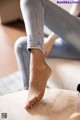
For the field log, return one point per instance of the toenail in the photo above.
(34, 102)
(27, 107)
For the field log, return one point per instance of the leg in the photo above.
(23, 59)
(39, 74)
(62, 49)
(62, 23)
(57, 46)
(48, 43)
(33, 15)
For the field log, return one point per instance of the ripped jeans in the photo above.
(36, 13)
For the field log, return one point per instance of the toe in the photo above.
(31, 103)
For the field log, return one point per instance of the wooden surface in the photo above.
(8, 36)
(56, 105)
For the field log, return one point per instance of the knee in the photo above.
(19, 44)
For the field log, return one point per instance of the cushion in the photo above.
(56, 104)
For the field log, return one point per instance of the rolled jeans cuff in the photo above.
(29, 47)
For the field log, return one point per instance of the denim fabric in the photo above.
(60, 49)
(36, 13)
(23, 59)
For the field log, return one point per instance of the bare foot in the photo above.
(39, 74)
(48, 43)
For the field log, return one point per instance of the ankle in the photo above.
(37, 57)
(36, 52)
(37, 65)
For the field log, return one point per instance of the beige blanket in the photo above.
(57, 104)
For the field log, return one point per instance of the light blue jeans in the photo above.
(36, 13)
